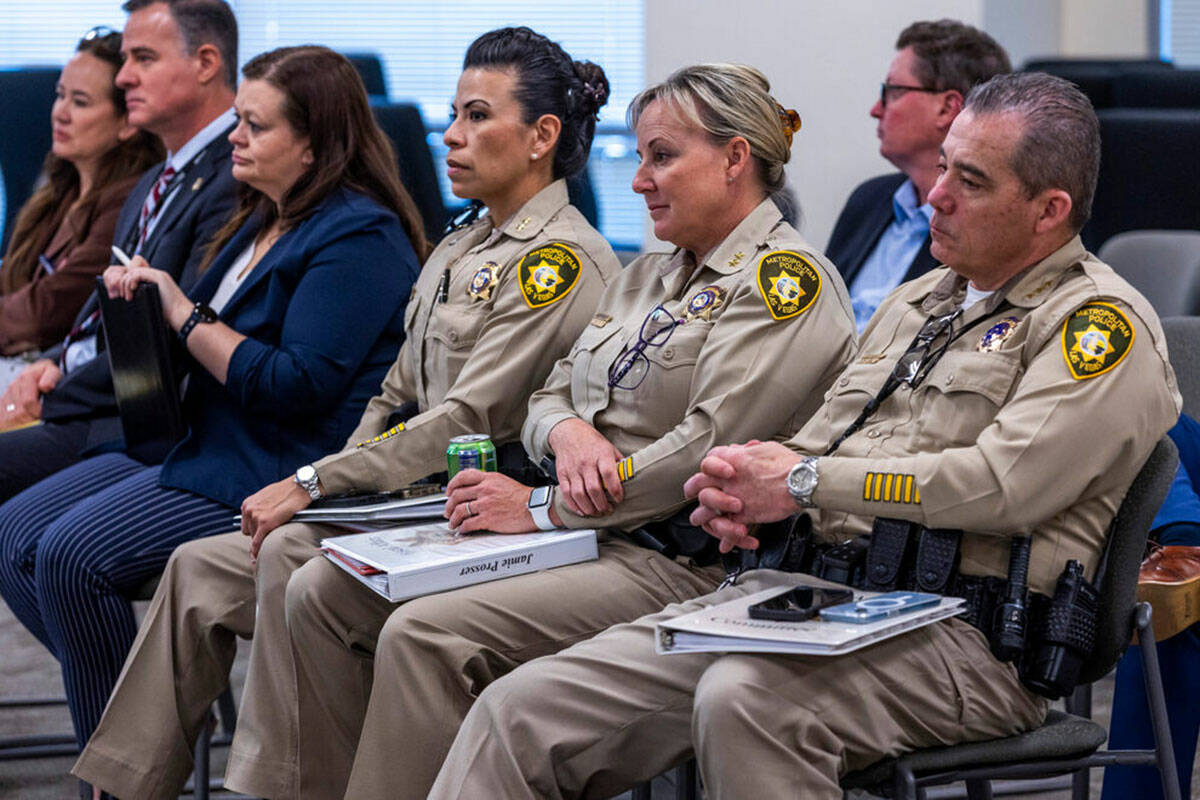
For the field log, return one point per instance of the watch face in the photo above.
(306, 473)
(540, 496)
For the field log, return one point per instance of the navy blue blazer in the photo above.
(203, 203)
(323, 314)
(863, 220)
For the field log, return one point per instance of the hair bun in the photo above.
(595, 89)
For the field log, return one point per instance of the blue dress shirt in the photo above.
(893, 253)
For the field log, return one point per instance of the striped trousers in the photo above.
(76, 546)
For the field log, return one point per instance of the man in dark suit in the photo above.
(881, 238)
(179, 79)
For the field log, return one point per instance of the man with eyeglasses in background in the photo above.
(179, 77)
(881, 238)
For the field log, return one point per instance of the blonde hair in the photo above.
(724, 101)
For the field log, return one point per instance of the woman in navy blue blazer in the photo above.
(292, 327)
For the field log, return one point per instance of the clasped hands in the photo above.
(740, 485)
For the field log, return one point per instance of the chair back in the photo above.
(24, 135)
(1123, 556)
(402, 124)
(1183, 345)
(370, 69)
(1162, 265)
(1149, 170)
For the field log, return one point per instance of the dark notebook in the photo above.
(142, 352)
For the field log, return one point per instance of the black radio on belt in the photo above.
(1064, 635)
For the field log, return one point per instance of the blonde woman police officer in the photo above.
(733, 335)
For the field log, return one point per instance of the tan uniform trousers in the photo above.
(180, 664)
(384, 687)
(608, 713)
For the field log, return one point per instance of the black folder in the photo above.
(142, 353)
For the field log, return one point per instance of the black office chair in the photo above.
(370, 69)
(1166, 88)
(1149, 170)
(1066, 743)
(403, 125)
(24, 134)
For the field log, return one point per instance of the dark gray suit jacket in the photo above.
(204, 201)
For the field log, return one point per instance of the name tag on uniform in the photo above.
(600, 320)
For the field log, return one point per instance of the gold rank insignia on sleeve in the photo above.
(788, 282)
(890, 487)
(547, 274)
(1095, 338)
(389, 433)
(483, 281)
(625, 469)
(704, 302)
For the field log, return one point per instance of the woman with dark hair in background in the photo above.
(290, 329)
(60, 241)
(483, 336)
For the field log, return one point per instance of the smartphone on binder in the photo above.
(873, 609)
(798, 604)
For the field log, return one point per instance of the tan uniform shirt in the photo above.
(1035, 421)
(741, 366)
(518, 296)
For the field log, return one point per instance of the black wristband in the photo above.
(200, 313)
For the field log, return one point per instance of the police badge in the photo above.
(483, 281)
(703, 302)
(994, 336)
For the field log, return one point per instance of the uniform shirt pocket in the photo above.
(456, 327)
(961, 396)
(594, 351)
(671, 364)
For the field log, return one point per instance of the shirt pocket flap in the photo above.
(456, 327)
(988, 374)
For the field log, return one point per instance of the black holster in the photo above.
(677, 536)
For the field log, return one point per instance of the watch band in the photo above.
(201, 312)
(541, 513)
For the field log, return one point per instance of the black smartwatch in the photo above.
(201, 312)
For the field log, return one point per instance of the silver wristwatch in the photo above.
(309, 481)
(802, 481)
(539, 507)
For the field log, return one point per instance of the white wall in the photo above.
(826, 59)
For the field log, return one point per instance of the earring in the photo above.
(534, 156)
(729, 179)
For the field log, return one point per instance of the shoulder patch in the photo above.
(1095, 338)
(548, 273)
(788, 282)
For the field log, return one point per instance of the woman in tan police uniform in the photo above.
(482, 334)
(733, 335)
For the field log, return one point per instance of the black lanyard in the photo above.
(922, 346)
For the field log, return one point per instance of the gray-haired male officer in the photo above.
(1035, 385)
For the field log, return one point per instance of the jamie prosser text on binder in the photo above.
(414, 560)
(728, 628)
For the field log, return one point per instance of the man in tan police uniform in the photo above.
(1052, 391)
(481, 336)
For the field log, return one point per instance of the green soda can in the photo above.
(472, 451)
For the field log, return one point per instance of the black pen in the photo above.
(444, 287)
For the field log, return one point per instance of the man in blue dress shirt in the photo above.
(882, 235)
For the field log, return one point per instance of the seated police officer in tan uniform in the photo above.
(1035, 385)
(681, 347)
(482, 334)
